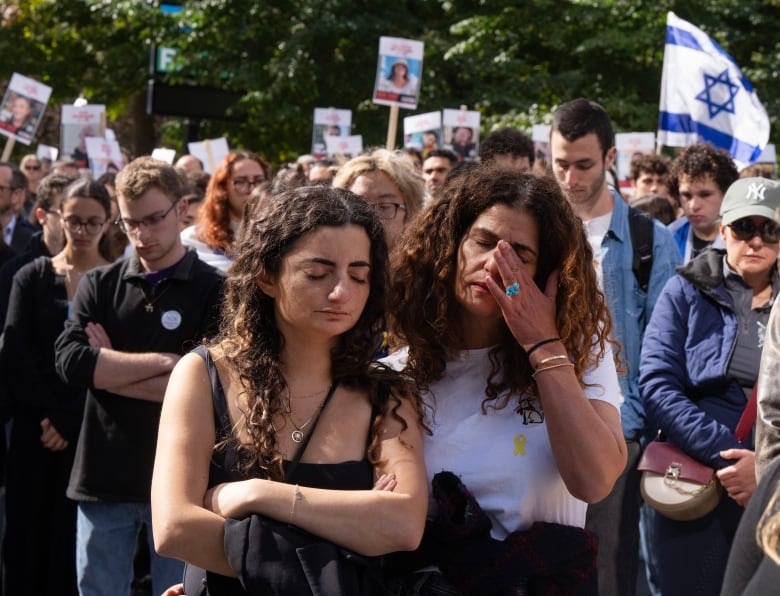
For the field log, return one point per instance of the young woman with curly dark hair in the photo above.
(295, 422)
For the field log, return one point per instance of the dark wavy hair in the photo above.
(250, 340)
(214, 217)
(699, 161)
(425, 313)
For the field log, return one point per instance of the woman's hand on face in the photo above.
(739, 479)
(529, 312)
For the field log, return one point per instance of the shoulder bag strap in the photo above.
(748, 416)
(299, 453)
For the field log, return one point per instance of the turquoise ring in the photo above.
(513, 289)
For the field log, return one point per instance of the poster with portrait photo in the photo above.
(79, 123)
(23, 107)
(460, 132)
(423, 132)
(540, 135)
(350, 146)
(104, 155)
(329, 122)
(398, 73)
(629, 144)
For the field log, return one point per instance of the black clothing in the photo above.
(35, 248)
(750, 571)
(279, 573)
(115, 452)
(23, 232)
(546, 559)
(39, 555)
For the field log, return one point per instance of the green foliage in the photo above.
(513, 61)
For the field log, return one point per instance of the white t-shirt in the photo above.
(504, 458)
(596, 229)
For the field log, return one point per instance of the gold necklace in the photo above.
(150, 303)
(288, 407)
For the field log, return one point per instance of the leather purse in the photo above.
(676, 485)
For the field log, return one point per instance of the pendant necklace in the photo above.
(150, 303)
(297, 434)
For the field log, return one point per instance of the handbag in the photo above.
(676, 485)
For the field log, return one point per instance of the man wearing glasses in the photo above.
(131, 323)
(17, 231)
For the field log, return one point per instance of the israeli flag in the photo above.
(706, 98)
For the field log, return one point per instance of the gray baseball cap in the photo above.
(748, 197)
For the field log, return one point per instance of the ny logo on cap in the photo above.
(756, 192)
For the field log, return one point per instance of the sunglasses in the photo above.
(33, 168)
(745, 229)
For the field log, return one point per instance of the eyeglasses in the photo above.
(33, 168)
(2, 187)
(74, 224)
(247, 184)
(134, 225)
(387, 210)
(745, 229)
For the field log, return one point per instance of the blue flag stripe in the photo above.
(683, 123)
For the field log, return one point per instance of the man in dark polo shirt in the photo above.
(131, 322)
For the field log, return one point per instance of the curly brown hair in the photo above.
(214, 217)
(425, 311)
(250, 340)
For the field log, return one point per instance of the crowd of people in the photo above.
(397, 374)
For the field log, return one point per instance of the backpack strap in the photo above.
(641, 227)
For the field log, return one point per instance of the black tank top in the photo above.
(349, 475)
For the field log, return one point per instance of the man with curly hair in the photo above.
(698, 179)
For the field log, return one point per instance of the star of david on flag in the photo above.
(706, 98)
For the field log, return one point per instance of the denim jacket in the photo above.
(630, 307)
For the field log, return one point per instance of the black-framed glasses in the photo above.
(4, 187)
(133, 225)
(242, 184)
(33, 168)
(745, 229)
(387, 210)
(92, 226)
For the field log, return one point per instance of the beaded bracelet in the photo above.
(552, 366)
(539, 344)
(297, 496)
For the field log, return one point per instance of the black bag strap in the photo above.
(299, 453)
(641, 228)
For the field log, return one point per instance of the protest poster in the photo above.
(23, 107)
(351, 146)
(78, 123)
(163, 154)
(104, 155)
(399, 69)
(461, 133)
(423, 131)
(210, 152)
(329, 122)
(629, 144)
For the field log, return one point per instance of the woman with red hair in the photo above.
(223, 206)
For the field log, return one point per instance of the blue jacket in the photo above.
(686, 351)
(630, 307)
(681, 230)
